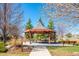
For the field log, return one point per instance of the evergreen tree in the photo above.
(50, 24)
(29, 25)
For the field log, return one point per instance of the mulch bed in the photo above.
(18, 50)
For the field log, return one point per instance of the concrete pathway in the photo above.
(40, 51)
(45, 44)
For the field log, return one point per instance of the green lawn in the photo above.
(63, 51)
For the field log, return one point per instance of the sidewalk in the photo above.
(40, 51)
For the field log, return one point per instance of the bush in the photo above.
(2, 47)
(59, 41)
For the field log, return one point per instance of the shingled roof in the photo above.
(39, 25)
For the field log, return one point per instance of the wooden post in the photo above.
(30, 37)
(49, 38)
(54, 37)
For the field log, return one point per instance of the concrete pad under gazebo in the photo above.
(40, 29)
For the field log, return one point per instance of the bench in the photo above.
(69, 42)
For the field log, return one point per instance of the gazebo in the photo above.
(40, 29)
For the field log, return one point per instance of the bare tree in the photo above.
(10, 19)
(61, 31)
(69, 13)
(60, 10)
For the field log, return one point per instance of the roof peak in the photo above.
(39, 25)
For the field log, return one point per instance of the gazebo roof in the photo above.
(39, 28)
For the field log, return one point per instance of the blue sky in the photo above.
(33, 11)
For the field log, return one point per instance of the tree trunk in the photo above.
(5, 24)
(54, 37)
(4, 36)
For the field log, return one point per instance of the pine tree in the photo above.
(50, 24)
(29, 25)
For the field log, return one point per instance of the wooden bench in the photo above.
(69, 42)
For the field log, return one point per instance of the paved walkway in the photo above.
(40, 51)
(45, 44)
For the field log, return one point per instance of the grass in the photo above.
(2, 47)
(16, 52)
(64, 51)
(8, 54)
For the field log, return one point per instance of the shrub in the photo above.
(60, 40)
(2, 47)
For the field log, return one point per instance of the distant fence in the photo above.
(68, 42)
